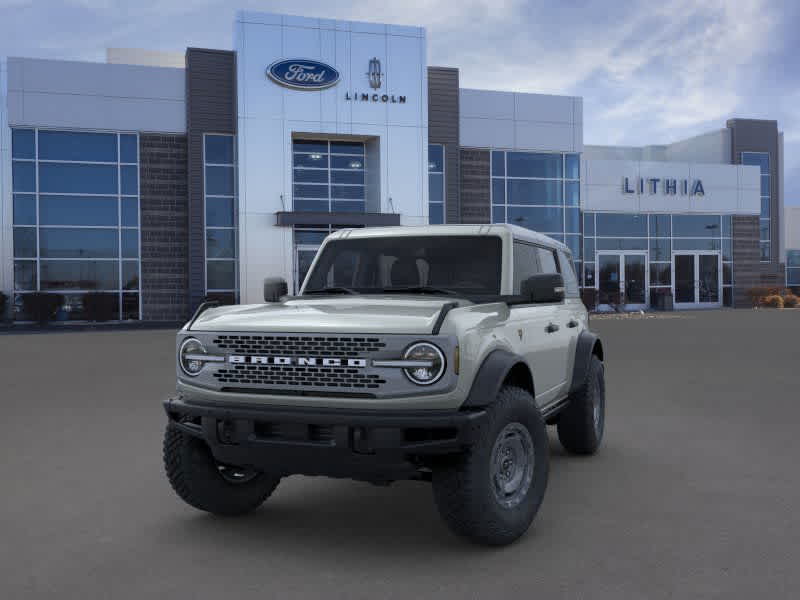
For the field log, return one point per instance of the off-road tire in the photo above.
(578, 431)
(463, 487)
(195, 477)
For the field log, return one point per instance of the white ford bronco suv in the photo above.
(436, 353)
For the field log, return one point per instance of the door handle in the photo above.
(551, 328)
(572, 323)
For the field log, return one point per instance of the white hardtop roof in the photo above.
(502, 230)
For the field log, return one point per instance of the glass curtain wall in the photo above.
(328, 176)
(793, 268)
(435, 184)
(540, 191)
(761, 160)
(219, 158)
(76, 220)
(660, 235)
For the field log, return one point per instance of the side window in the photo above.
(547, 260)
(570, 279)
(526, 263)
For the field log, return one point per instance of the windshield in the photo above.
(456, 265)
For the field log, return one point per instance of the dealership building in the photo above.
(164, 179)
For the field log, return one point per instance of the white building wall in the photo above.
(729, 189)
(269, 115)
(541, 122)
(146, 58)
(713, 147)
(82, 95)
(6, 205)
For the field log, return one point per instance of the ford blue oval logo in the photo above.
(303, 74)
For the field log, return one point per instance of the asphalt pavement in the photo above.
(694, 494)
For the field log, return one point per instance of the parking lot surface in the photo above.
(695, 493)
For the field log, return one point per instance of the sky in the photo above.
(649, 72)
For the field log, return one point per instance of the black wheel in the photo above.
(207, 485)
(491, 493)
(581, 423)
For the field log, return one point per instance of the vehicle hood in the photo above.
(351, 314)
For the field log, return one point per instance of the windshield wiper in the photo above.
(420, 289)
(331, 290)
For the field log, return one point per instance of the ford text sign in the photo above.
(303, 74)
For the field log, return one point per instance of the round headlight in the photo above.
(190, 356)
(431, 363)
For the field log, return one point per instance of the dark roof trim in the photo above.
(287, 219)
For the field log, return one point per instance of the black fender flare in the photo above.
(490, 377)
(588, 345)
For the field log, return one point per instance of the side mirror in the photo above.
(275, 288)
(543, 287)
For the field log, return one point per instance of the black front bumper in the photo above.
(369, 445)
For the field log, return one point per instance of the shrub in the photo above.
(773, 301)
(41, 306)
(790, 301)
(3, 306)
(99, 306)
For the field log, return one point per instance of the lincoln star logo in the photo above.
(297, 361)
(302, 74)
(374, 74)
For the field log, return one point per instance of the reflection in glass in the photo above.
(77, 210)
(25, 242)
(542, 219)
(66, 178)
(77, 146)
(622, 225)
(531, 164)
(221, 275)
(219, 149)
(80, 275)
(220, 243)
(24, 209)
(57, 242)
(531, 191)
(25, 275)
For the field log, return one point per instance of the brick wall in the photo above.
(165, 227)
(475, 198)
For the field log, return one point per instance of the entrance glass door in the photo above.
(622, 280)
(697, 279)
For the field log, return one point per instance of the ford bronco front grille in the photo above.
(299, 377)
(332, 346)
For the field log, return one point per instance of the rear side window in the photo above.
(547, 260)
(526, 263)
(570, 279)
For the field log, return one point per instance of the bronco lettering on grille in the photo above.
(300, 361)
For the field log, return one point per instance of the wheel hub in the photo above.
(512, 462)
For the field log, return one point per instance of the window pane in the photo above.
(130, 243)
(526, 191)
(348, 206)
(530, 164)
(25, 275)
(343, 162)
(588, 249)
(219, 149)
(498, 214)
(574, 243)
(436, 213)
(759, 159)
(727, 225)
(318, 161)
(765, 251)
(621, 244)
(625, 225)
(573, 193)
(311, 205)
(793, 277)
(547, 260)
(221, 275)
(660, 274)
(74, 145)
(129, 180)
(357, 176)
(573, 166)
(309, 237)
(588, 224)
(588, 274)
(347, 192)
(539, 219)
(23, 144)
(219, 181)
(347, 148)
(219, 212)
(498, 163)
(23, 176)
(24, 209)
(130, 307)
(310, 146)
(498, 191)
(765, 185)
(695, 244)
(763, 229)
(660, 249)
(727, 297)
(130, 212)
(25, 242)
(78, 243)
(311, 175)
(793, 258)
(77, 210)
(310, 191)
(573, 220)
(660, 226)
(77, 179)
(727, 273)
(765, 208)
(436, 187)
(128, 149)
(220, 243)
(435, 158)
(526, 264)
(130, 274)
(79, 275)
